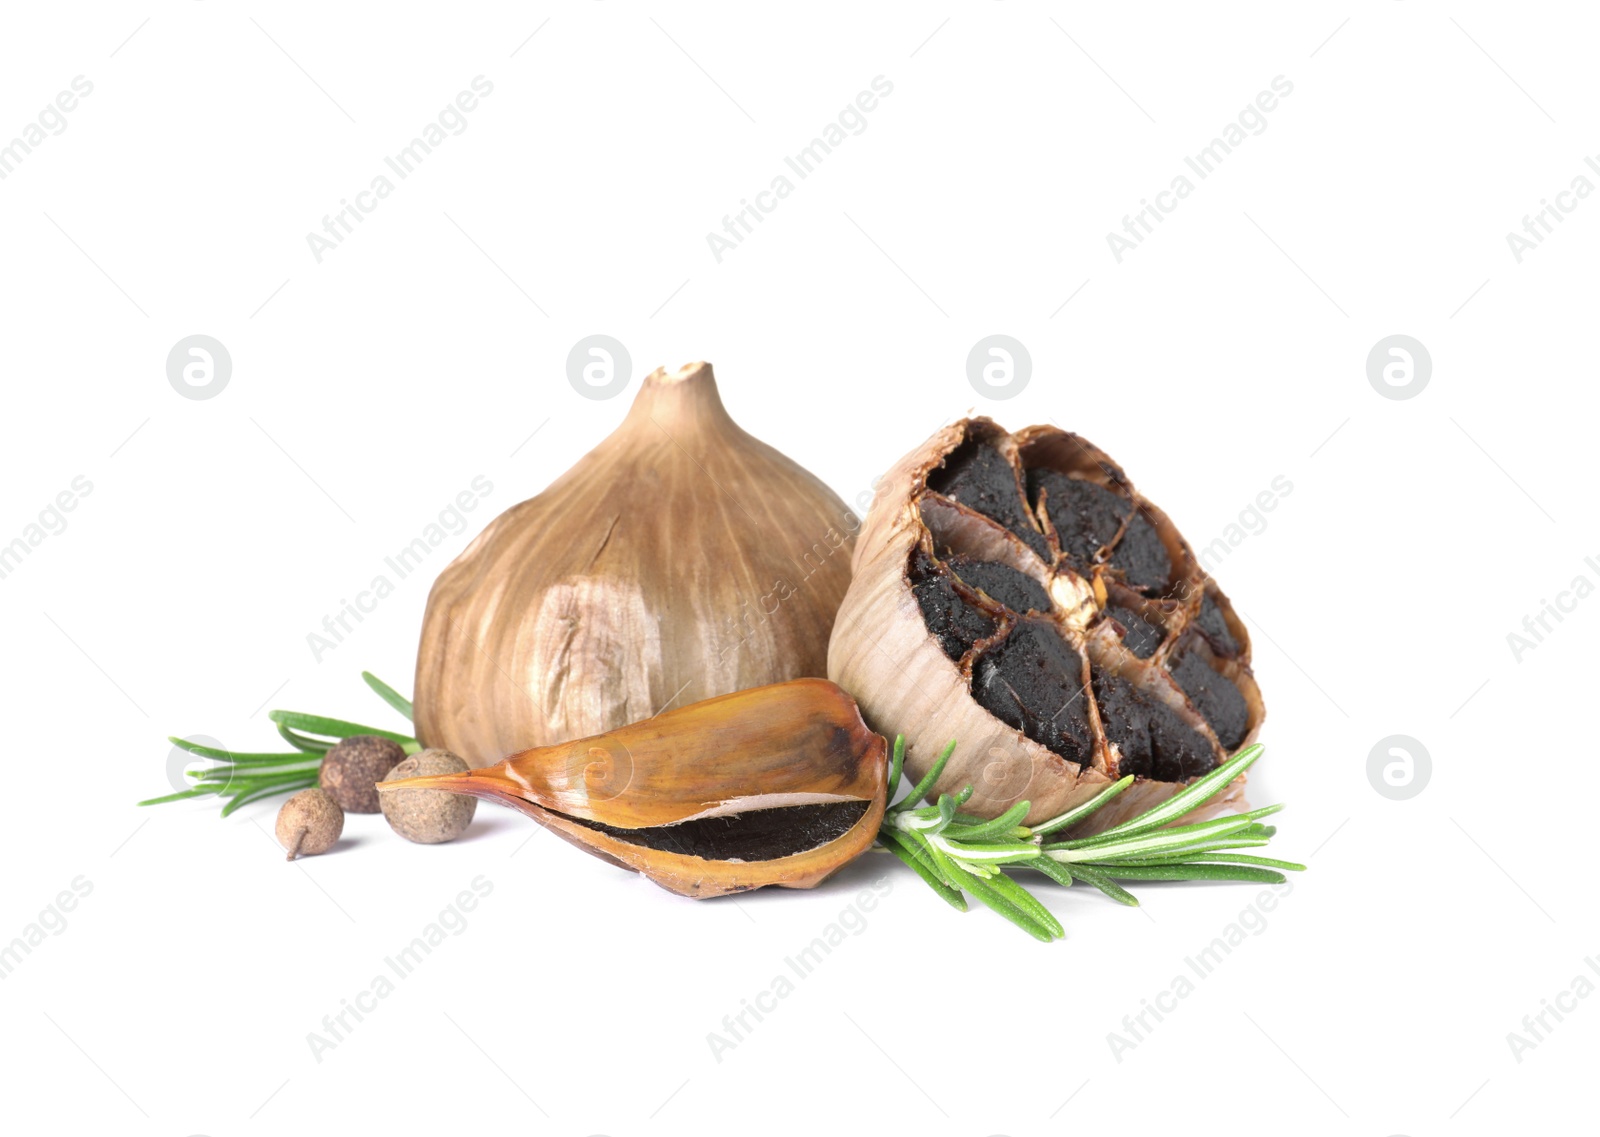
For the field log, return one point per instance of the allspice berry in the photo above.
(352, 770)
(309, 823)
(428, 817)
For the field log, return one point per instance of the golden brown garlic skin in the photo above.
(883, 652)
(678, 560)
(788, 776)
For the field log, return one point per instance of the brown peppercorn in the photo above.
(309, 823)
(428, 817)
(352, 770)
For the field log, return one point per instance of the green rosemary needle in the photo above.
(244, 778)
(957, 854)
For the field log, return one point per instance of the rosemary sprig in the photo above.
(958, 854)
(244, 778)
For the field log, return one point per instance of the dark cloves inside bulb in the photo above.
(1033, 680)
(1212, 624)
(954, 622)
(760, 835)
(1139, 635)
(1088, 518)
(1085, 516)
(1142, 557)
(980, 478)
(1004, 584)
(1218, 699)
(1154, 741)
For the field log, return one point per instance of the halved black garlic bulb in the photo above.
(1016, 593)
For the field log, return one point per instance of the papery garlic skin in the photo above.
(680, 559)
(882, 650)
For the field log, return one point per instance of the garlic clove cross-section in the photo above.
(779, 785)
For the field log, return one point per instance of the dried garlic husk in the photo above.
(1014, 592)
(678, 560)
(778, 785)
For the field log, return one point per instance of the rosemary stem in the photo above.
(957, 853)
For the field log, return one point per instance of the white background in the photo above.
(369, 389)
